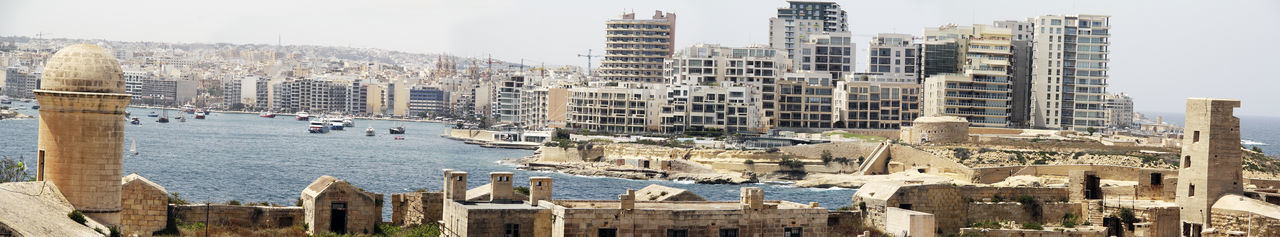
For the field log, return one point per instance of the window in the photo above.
(607, 232)
(1191, 191)
(728, 232)
(1157, 178)
(1186, 162)
(512, 230)
(793, 232)
(1195, 137)
(677, 233)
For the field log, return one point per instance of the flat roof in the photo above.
(673, 205)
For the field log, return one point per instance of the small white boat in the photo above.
(303, 116)
(369, 131)
(335, 124)
(348, 122)
(134, 148)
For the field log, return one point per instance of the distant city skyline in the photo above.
(1162, 51)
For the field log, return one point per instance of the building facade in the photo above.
(1069, 81)
(616, 107)
(19, 81)
(867, 103)
(895, 57)
(806, 101)
(1120, 110)
(426, 101)
(796, 23)
(635, 49)
(981, 92)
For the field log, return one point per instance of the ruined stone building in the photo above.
(336, 206)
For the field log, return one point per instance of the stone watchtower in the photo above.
(1211, 160)
(83, 102)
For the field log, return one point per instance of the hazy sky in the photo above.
(1162, 51)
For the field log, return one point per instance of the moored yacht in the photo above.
(267, 115)
(303, 116)
(369, 131)
(335, 123)
(318, 126)
(348, 122)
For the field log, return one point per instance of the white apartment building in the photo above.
(871, 102)
(635, 49)
(755, 68)
(1069, 79)
(616, 107)
(981, 91)
(805, 101)
(830, 52)
(20, 81)
(795, 23)
(710, 107)
(1120, 110)
(895, 57)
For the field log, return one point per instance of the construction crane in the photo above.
(589, 56)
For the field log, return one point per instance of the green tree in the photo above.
(826, 156)
(12, 170)
(1091, 131)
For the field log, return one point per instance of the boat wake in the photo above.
(1251, 142)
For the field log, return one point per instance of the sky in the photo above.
(1162, 51)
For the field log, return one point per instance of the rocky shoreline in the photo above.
(12, 114)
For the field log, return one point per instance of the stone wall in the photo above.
(1053, 232)
(327, 194)
(242, 216)
(1253, 224)
(903, 222)
(950, 204)
(698, 222)
(461, 220)
(1112, 172)
(845, 223)
(416, 208)
(1050, 212)
(916, 158)
(144, 206)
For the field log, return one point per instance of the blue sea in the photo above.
(1260, 131)
(250, 159)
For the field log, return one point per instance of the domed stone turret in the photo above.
(83, 68)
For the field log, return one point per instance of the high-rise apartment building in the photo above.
(426, 101)
(635, 49)
(981, 91)
(1069, 79)
(795, 23)
(895, 57)
(1020, 71)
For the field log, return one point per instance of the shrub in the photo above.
(1069, 220)
(12, 170)
(298, 203)
(987, 225)
(175, 199)
(961, 153)
(826, 156)
(1032, 226)
(788, 162)
(233, 202)
(522, 190)
(1256, 149)
(77, 216)
(113, 231)
(749, 162)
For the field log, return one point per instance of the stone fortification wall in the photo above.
(1240, 221)
(416, 208)
(845, 223)
(911, 157)
(1112, 172)
(464, 134)
(243, 216)
(950, 204)
(655, 222)
(144, 206)
(1075, 232)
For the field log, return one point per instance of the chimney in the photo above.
(628, 200)
(752, 198)
(457, 186)
(539, 189)
(500, 189)
(446, 181)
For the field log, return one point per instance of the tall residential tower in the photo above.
(635, 49)
(1069, 79)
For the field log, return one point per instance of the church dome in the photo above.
(83, 68)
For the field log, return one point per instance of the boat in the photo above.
(135, 121)
(398, 130)
(200, 114)
(303, 116)
(180, 118)
(134, 148)
(35, 107)
(399, 138)
(348, 122)
(267, 115)
(7, 102)
(164, 117)
(336, 124)
(188, 109)
(153, 114)
(369, 131)
(317, 126)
